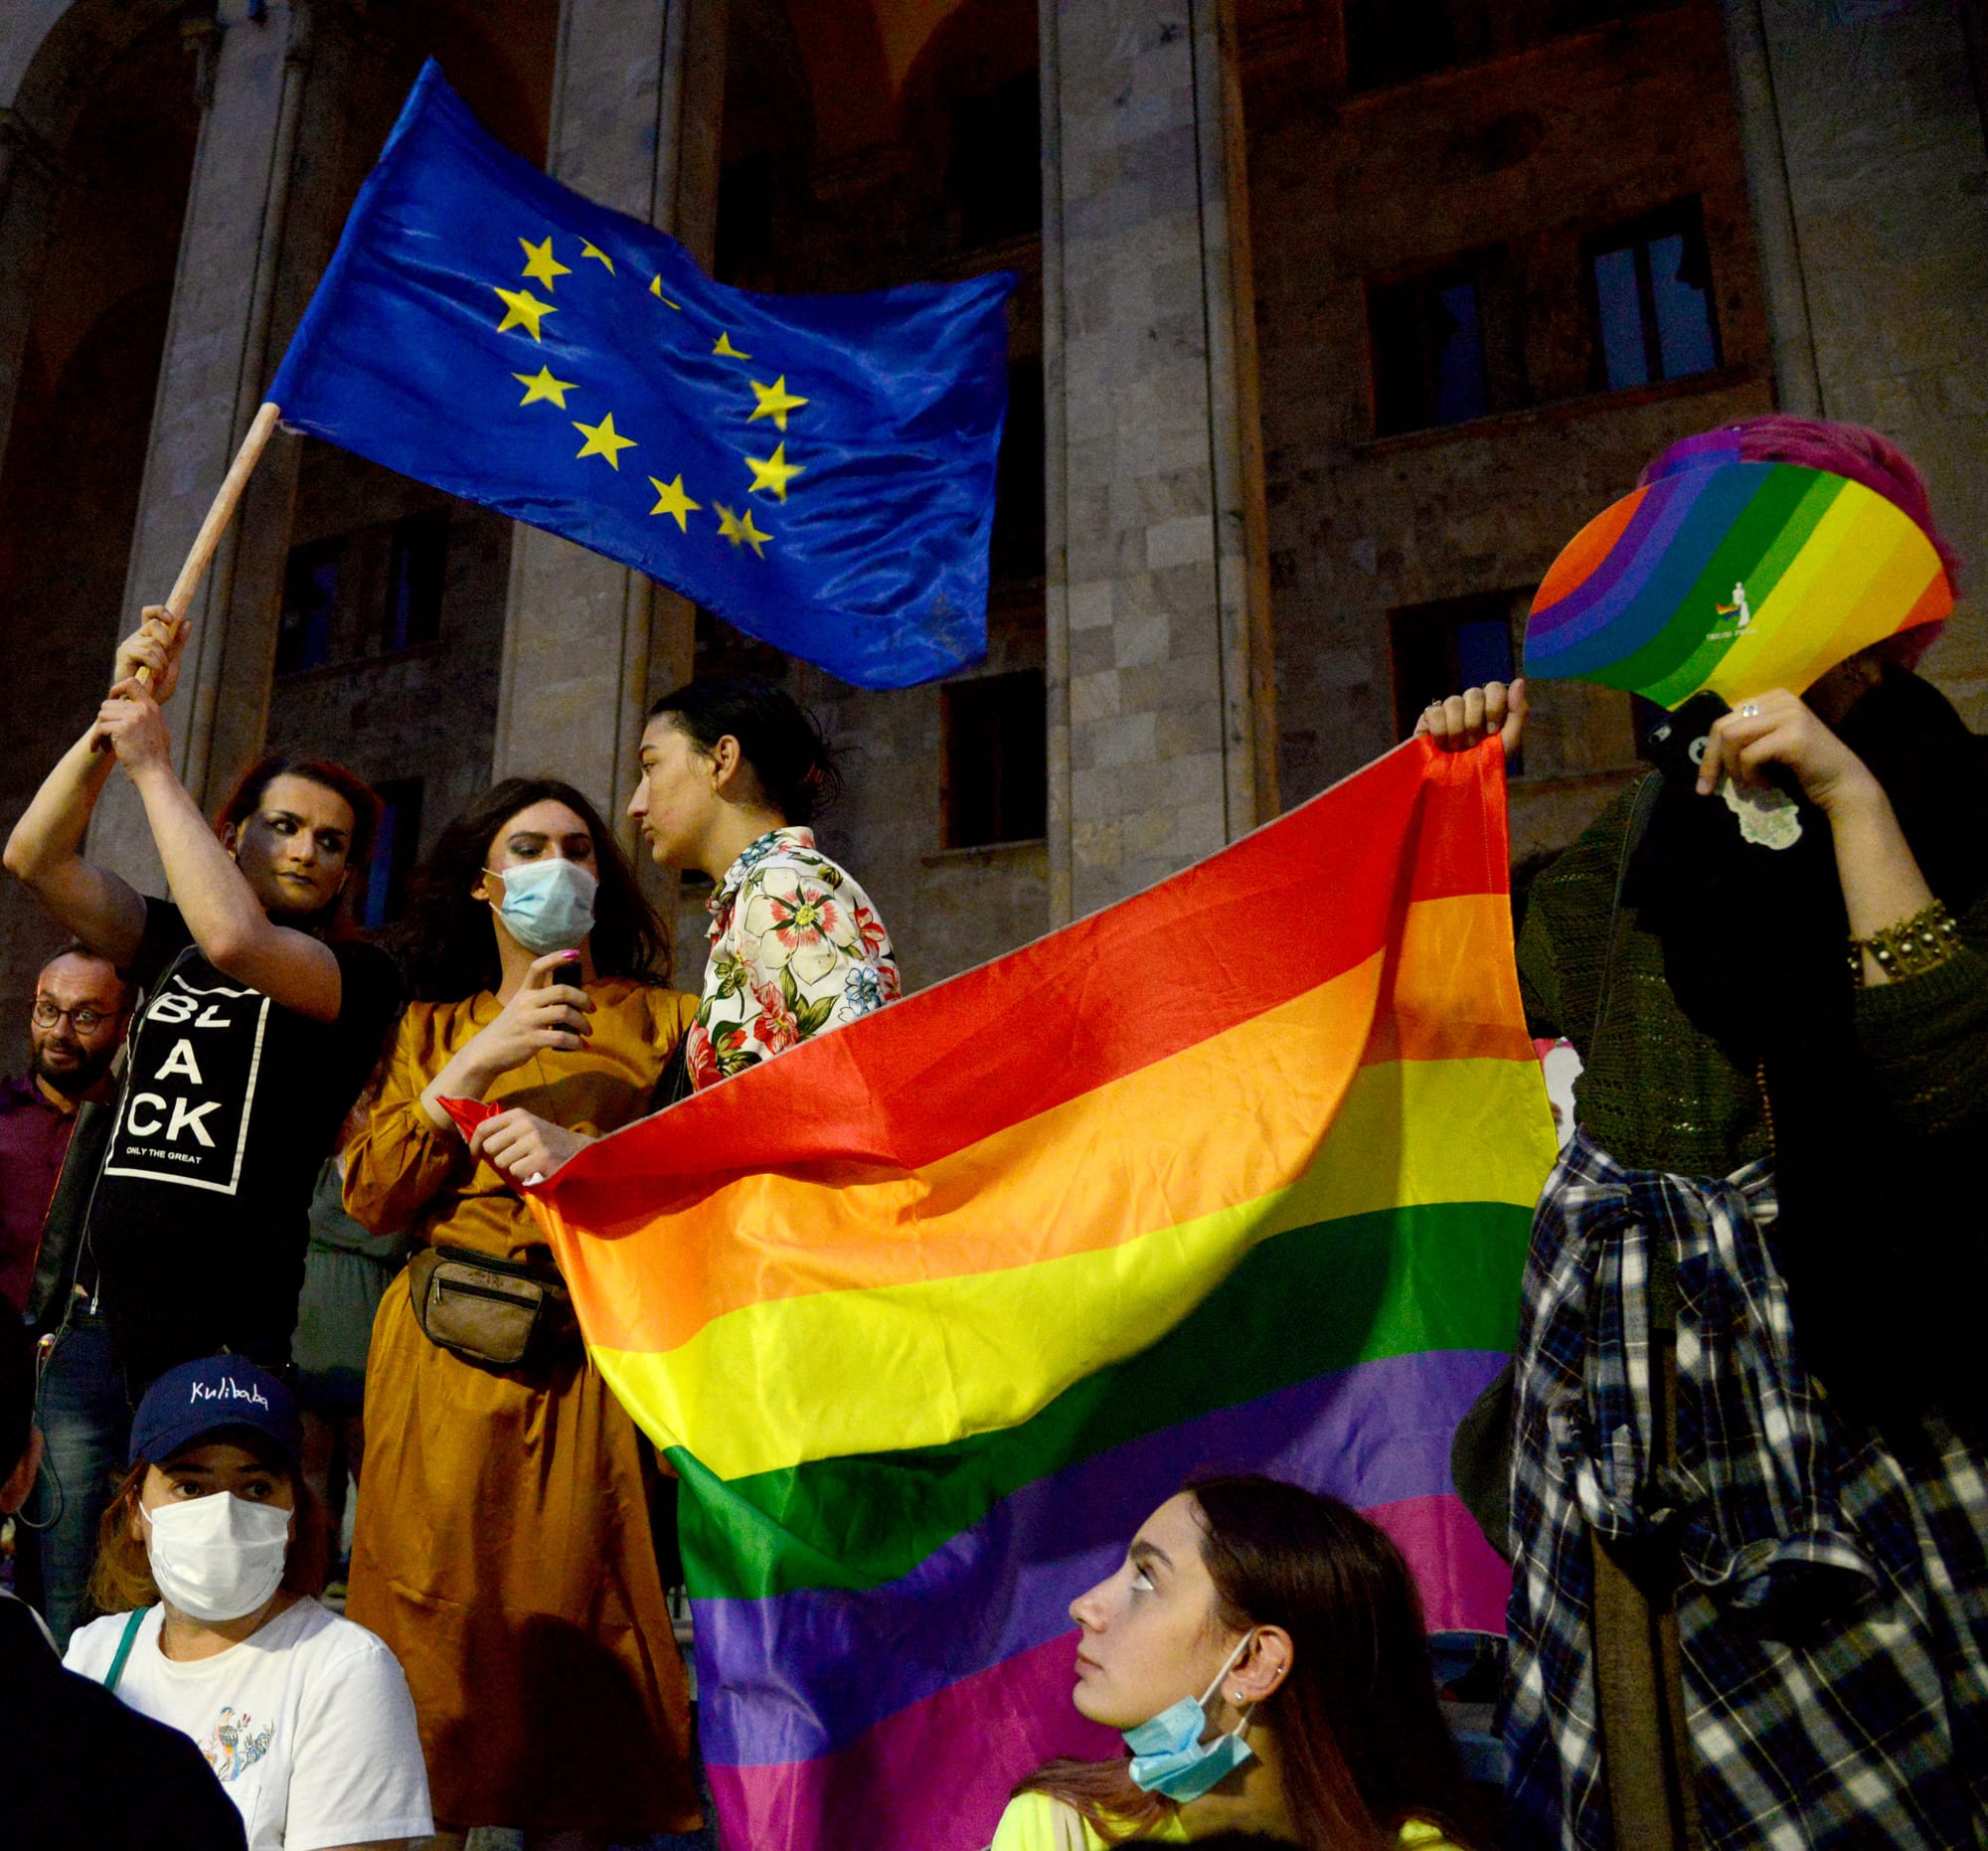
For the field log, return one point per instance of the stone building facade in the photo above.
(1336, 318)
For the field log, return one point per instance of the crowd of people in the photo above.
(261, 1234)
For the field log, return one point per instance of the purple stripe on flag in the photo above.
(947, 1762)
(1636, 556)
(794, 1676)
(946, 1765)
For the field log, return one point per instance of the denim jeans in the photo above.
(84, 1413)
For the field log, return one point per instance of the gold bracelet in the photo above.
(1915, 944)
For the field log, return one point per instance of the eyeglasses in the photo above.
(83, 1021)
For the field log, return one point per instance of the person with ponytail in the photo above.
(734, 773)
(1262, 1648)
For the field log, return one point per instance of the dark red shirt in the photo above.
(34, 1137)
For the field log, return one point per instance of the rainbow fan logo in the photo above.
(1740, 610)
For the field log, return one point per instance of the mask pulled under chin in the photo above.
(548, 905)
(1168, 1753)
(219, 1557)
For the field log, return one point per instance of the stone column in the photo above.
(28, 193)
(636, 100)
(1866, 114)
(215, 363)
(1162, 745)
(1784, 286)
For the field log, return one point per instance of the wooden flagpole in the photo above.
(215, 524)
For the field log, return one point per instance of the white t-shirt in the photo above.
(306, 1723)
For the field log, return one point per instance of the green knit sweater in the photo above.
(1655, 1091)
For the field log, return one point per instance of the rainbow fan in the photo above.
(1732, 576)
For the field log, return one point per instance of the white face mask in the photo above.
(218, 1557)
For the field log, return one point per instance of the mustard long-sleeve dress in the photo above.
(504, 1546)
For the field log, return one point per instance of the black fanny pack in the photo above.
(499, 1314)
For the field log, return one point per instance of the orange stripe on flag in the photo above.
(1084, 1176)
(1586, 550)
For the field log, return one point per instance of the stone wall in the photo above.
(428, 712)
(1527, 153)
(1867, 114)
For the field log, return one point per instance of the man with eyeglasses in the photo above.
(75, 1030)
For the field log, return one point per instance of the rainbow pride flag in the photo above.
(1732, 576)
(931, 1312)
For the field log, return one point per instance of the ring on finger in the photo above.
(1749, 710)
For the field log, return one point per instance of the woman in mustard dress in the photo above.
(506, 1545)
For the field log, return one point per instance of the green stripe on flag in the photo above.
(1311, 1301)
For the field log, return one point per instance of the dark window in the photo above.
(744, 243)
(310, 599)
(996, 174)
(1392, 40)
(1429, 350)
(1443, 648)
(414, 580)
(1650, 283)
(1581, 15)
(1016, 552)
(394, 850)
(996, 759)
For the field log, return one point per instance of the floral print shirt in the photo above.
(795, 949)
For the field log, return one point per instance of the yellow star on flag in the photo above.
(540, 264)
(671, 499)
(725, 348)
(773, 473)
(600, 257)
(542, 385)
(656, 291)
(601, 440)
(523, 310)
(740, 529)
(776, 402)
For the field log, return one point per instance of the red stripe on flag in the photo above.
(1275, 914)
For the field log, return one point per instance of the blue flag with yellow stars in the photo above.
(818, 470)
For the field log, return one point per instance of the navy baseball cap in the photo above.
(194, 1400)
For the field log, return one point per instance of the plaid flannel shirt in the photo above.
(1833, 1593)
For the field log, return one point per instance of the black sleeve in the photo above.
(165, 936)
(369, 999)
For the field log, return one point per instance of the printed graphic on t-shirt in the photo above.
(190, 1086)
(234, 1745)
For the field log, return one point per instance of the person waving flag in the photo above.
(819, 471)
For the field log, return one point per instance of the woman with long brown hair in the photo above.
(1262, 1648)
(506, 1544)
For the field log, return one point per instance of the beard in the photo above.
(73, 1081)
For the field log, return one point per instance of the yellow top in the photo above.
(1036, 1822)
(403, 1175)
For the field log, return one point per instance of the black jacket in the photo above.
(80, 1767)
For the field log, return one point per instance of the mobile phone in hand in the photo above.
(1675, 742)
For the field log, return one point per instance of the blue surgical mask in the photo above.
(548, 905)
(1168, 1753)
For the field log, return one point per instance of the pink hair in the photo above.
(1853, 450)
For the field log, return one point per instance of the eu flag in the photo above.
(819, 471)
